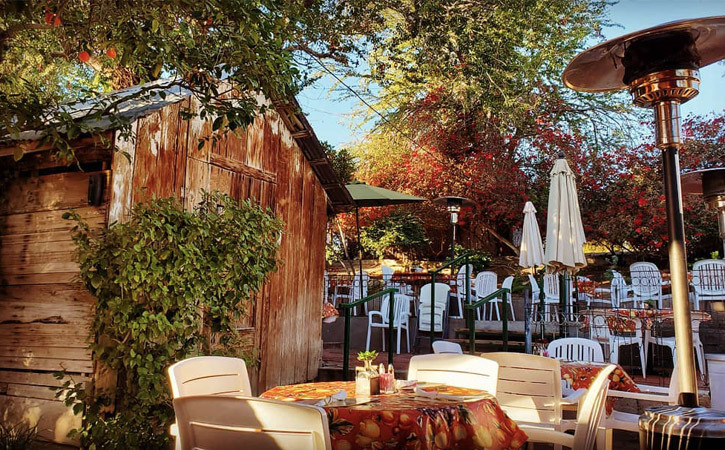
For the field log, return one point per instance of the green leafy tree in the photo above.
(57, 54)
(399, 231)
(343, 161)
(169, 284)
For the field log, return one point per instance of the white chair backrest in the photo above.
(486, 282)
(708, 277)
(529, 387)
(591, 409)
(401, 311)
(576, 349)
(209, 375)
(466, 371)
(441, 300)
(461, 280)
(508, 283)
(551, 285)
(447, 347)
(356, 285)
(646, 279)
(599, 328)
(534, 286)
(387, 274)
(221, 423)
(618, 291)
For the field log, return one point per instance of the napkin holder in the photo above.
(367, 382)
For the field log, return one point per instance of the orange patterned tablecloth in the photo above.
(581, 375)
(409, 421)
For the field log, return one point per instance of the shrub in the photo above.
(400, 231)
(169, 284)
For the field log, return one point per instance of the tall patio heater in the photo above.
(660, 66)
(453, 206)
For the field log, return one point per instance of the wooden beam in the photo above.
(34, 146)
(239, 167)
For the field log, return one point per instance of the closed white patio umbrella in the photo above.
(564, 231)
(531, 252)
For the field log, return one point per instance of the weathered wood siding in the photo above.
(45, 313)
(265, 164)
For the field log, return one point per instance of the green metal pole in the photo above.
(471, 331)
(468, 280)
(346, 348)
(542, 307)
(504, 304)
(391, 318)
(562, 304)
(432, 310)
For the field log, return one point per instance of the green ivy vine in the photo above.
(169, 284)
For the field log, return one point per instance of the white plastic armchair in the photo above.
(591, 411)
(551, 294)
(529, 389)
(618, 291)
(207, 375)
(401, 313)
(486, 283)
(466, 371)
(650, 339)
(220, 423)
(619, 420)
(576, 349)
(708, 280)
(439, 308)
(447, 347)
(646, 283)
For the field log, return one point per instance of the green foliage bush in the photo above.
(400, 231)
(169, 284)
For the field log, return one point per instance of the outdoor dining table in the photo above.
(580, 375)
(410, 420)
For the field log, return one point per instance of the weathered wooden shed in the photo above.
(45, 313)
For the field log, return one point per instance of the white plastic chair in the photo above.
(669, 341)
(576, 349)
(618, 291)
(461, 287)
(447, 347)
(551, 295)
(529, 389)
(646, 283)
(208, 375)
(617, 339)
(486, 283)
(535, 293)
(590, 414)
(401, 313)
(466, 371)
(221, 423)
(439, 308)
(708, 281)
(508, 283)
(619, 420)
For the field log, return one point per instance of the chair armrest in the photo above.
(601, 290)
(574, 397)
(649, 389)
(639, 396)
(375, 313)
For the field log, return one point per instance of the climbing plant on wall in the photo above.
(169, 284)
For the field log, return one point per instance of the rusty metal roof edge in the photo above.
(291, 106)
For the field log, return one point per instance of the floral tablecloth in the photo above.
(581, 375)
(410, 421)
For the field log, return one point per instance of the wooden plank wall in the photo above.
(265, 164)
(45, 314)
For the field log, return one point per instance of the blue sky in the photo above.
(330, 116)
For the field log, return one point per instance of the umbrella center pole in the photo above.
(664, 91)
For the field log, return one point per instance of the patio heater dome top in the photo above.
(616, 64)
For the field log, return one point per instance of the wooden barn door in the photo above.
(45, 313)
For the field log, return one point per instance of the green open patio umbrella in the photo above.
(365, 195)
